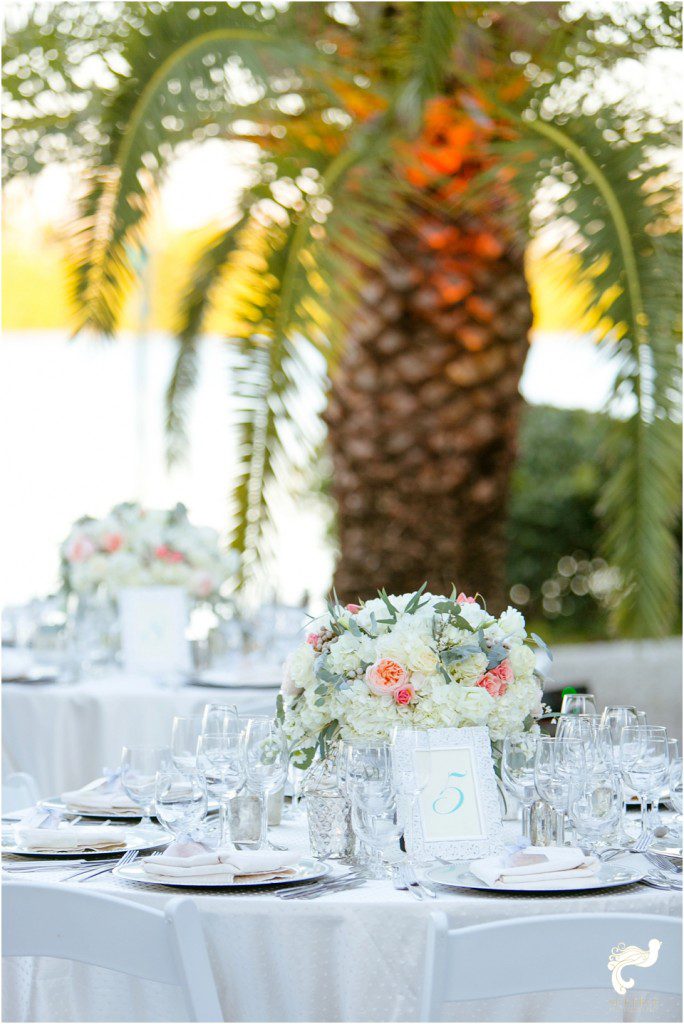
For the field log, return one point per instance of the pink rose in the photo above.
(405, 695)
(79, 549)
(496, 681)
(353, 608)
(386, 676)
(167, 554)
(313, 639)
(111, 542)
(462, 599)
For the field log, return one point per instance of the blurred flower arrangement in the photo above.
(419, 660)
(134, 546)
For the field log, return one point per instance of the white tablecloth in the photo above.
(63, 734)
(354, 956)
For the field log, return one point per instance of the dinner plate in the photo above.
(239, 680)
(54, 803)
(610, 876)
(308, 870)
(133, 844)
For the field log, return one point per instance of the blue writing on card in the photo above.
(451, 797)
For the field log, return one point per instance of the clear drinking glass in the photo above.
(180, 800)
(578, 704)
(554, 765)
(377, 822)
(595, 806)
(644, 764)
(216, 717)
(220, 756)
(265, 763)
(139, 767)
(185, 733)
(676, 795)
(517, 772)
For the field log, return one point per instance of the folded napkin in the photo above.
(103, 794)
(550, 866)
(195, 860)
(66, 838)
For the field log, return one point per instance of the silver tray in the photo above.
(610, 876)
(308, 870)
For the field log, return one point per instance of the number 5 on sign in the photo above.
(450, 805)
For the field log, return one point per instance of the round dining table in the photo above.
(63, 734)
(355, 955)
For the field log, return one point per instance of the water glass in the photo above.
(377, 823)
(185, 732)
(139, 767)
(595, 806)
(517, 772)
(180, 800)
(265, 763)
(220, 756)
(644, 764)
(676, 795)
(578, 704)
(554, 765)
(217, 717)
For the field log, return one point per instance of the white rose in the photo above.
(522, 660)
(473, 614)
(512, 623)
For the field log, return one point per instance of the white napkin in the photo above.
(66, 838)
(196, 861)
(100, 795)
(550, 866)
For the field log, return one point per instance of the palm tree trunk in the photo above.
(423, 415)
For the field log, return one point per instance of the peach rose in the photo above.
(386, 676)
(112, 542)
(405, 695)
(496, 681)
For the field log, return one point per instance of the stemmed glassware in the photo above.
(676, 795)
(215, 716)
(644, 764)
(377, 822)
(180, 799)
(185, 732)
(578, 704)
(517, 772)
(220, 756)
(557, 763)
(595, 805)
(265, 752)
(139, 767)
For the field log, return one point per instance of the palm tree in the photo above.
(406, 153)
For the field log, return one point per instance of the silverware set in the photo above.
(665, 874)
(85, 869)
(321, 887)
(405, 878)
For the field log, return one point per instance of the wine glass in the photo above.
(517, 772)
(139, 767)
(185, 733)
(676, 795)
(364, 762)
(377, 822)
(578, 704)
(584, 728)
(595, 805)
(644, 764)
(220, 755)
(265, 764)
(180, 799)
(216, 717)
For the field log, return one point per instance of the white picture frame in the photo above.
(456, 815)
(153, 623)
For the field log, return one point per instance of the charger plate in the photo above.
(308, 870)
(609, 876)
(142, 846)
(56, 804)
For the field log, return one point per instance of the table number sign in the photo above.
(456, 813)
(153, 625)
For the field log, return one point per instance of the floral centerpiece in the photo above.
(133, 546)
(418, 660)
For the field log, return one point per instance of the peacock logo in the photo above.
(623, 956)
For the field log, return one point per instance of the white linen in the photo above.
(63, 734)
(552, 866)
(96, 796)
(70, 837)
(192, 861)
(350, 956)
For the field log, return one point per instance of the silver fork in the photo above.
(101, 867)
(663, 862)
(400, 881)
(412, 879)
